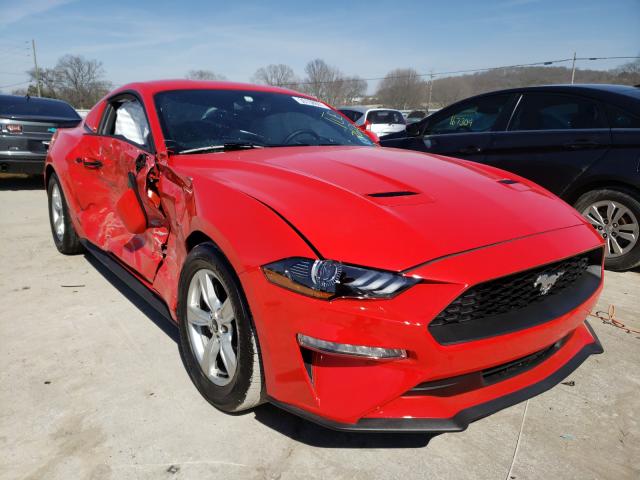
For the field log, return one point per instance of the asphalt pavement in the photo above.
(92, 387)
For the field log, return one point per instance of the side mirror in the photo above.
(413, 129)
(130, 210)
(366, 128)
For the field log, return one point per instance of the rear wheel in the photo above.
(218, 343)
(616, 216)
(64, 234)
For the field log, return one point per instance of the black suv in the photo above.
(26, 127)
(582, 142)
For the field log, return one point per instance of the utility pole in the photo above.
(35, 64)
(573, 68)
(430, 91)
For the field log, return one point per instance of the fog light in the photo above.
(374, 353)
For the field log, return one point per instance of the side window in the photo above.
(385, 116)
(92, 120)
(126, 119)
(619, 118)
(543, 111)
(478, 115)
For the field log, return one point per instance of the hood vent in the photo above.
(391, 194)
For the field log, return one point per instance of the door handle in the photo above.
(581, 145)
(470, 149)
(93, 164)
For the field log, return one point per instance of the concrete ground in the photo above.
(91, 387)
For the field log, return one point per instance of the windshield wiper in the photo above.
(225, 147)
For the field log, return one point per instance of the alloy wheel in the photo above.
(212, 327)
(57, 212)
(616, 224)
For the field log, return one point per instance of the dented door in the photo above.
(142, 252)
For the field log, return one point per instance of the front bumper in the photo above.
(368, 395)
(462, 419)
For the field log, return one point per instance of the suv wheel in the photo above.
(616, 216)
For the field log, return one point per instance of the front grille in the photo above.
(518, 294)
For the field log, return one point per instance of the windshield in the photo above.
(193, 119)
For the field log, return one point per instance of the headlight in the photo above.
(329, 279)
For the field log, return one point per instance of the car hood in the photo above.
(388, 208)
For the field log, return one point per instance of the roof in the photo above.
(592, 89)
(625, 96)
(27, 98)
(357, 108)
(156, 86)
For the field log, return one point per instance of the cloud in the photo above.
(14, 11)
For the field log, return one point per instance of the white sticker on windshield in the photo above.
(312, 103)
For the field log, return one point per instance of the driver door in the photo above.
(129, 163)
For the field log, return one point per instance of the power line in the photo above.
(457, 72)
(15, 84)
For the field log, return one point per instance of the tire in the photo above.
(624, 253)
(230, 393)
(64, 234)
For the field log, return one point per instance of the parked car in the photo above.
(360, 287)
(582, 142)
(415, 116)
(381, 121)
(26, 126)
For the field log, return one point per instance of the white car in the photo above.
(381, 121)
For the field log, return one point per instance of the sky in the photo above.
(147, 39)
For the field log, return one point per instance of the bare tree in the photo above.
(320, 79)
(451, 89)
(279, 75)
(330, 84)
(204, 75)
(74, 79)
(629, 73)
(354, 89)
(402, 88)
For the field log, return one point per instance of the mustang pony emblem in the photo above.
(546, 281)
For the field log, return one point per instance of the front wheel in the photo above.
(615, 215)
(218, 343)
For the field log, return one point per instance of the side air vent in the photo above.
(391, 194)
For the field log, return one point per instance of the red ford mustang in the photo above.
(363, 288)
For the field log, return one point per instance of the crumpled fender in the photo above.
(247, 232)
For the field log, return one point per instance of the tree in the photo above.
(74, 79)
(330, 84)
(629, 73)
(279, 75)
(204, 75)
(402, 88)
(353, 89)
